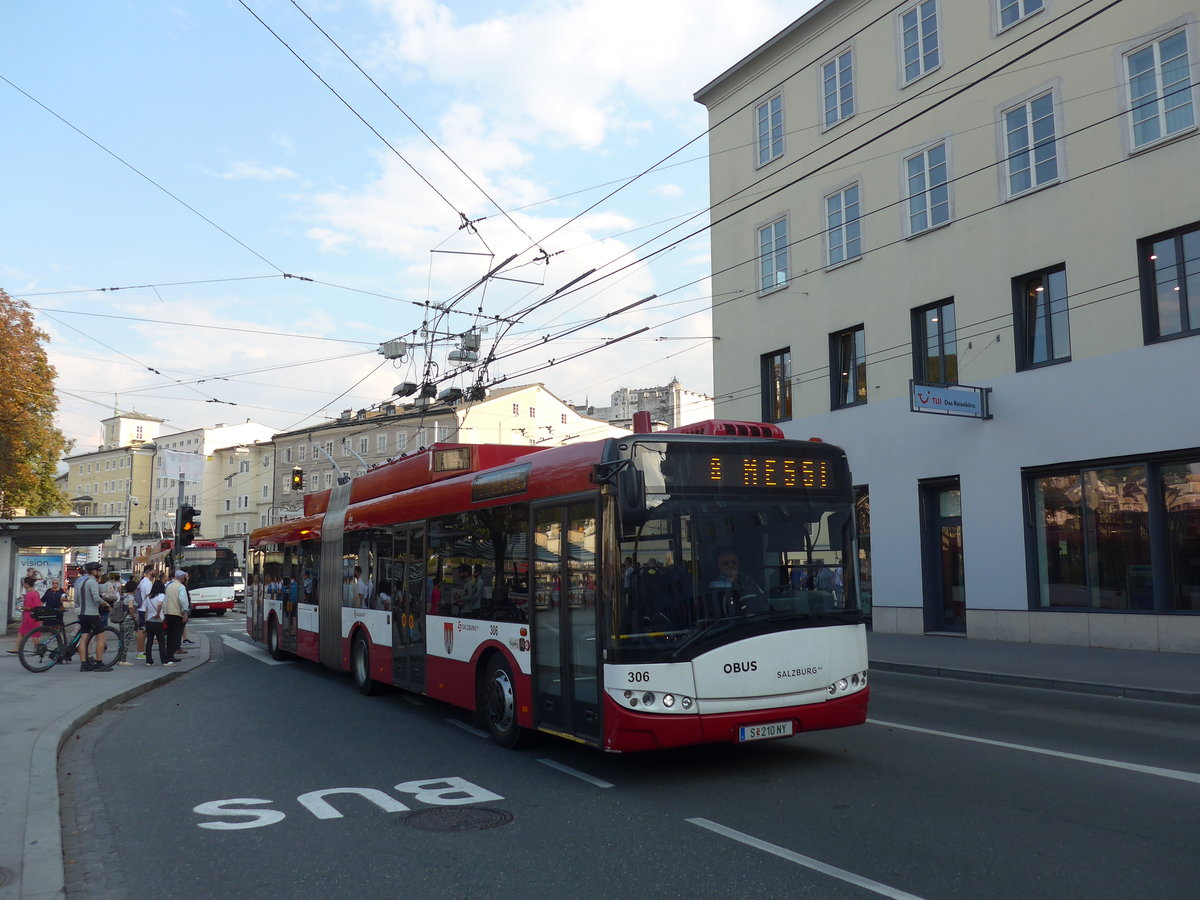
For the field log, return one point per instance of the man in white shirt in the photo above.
(139, 598)
(175, 610)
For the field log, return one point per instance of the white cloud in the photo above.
(254, 171)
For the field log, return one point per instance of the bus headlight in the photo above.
(647, 699)
(668, 700)
(686, 703)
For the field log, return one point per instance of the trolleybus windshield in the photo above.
(723, 555)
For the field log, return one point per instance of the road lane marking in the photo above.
(1192, 777)
(253, 652)
(575, 773)
(458, 723)
(807, 861)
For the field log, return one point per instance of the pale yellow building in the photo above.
(988, 210)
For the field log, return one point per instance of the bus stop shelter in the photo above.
(45, 531)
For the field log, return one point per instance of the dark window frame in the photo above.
(1163, 580)
(776, 388)
(1021, 298)
(920, 340)
(841, 378)
(1151, 325)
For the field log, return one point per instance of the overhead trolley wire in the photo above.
(143, 175)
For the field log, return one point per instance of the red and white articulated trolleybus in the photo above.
(649, 591)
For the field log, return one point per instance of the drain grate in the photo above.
(458, 818)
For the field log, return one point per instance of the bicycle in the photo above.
(53, 642)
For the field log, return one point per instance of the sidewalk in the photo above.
(41, 711)
(1137, 674)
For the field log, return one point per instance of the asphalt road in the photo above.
(953, 790)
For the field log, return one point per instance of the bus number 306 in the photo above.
(639, 677)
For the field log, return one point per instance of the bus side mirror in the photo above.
(631, 497)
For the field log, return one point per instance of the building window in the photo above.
(266, 491)
(1121, 536)
(843, 225)
(300, 451)
(328, 479)
(935, 357)
(401, 441)
(1043, 334)
(928, 189)
(768, 117)
(228, 505)
(1030, 142)
(381, 443)
(363, 444)
(919, 39)
(1160, 89)
(1170, 270)
(772, 256)
(777, 385)
(533, 412)
(848, 368)
(516, 409)
(564, 418)
(837, 87)
(1013, 11)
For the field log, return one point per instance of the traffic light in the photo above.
(189, 524)
(297, 478)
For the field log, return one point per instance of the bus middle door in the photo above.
(563, 610)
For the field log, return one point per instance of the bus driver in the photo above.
(737, 590)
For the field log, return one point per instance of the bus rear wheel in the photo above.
(273, 639)
(498, 698)
(360, 666)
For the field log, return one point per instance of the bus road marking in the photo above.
(807, 861)
(469, 729)
(253, 652)
(575, 773)
(1192, 777)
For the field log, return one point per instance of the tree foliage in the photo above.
(30, 443)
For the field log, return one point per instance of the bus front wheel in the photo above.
(499, 704)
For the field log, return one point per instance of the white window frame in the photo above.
(923, 194)
(381, 443)
(363, 446)
(836, 233)
(401, 441)
(768, 130)
(839, 69)
(1160, 111)
(921, 34)
(1030, 148)
(1024, 9)
(769, 267)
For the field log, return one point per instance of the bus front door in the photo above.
(565, 654)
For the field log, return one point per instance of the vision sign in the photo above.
(950, 399)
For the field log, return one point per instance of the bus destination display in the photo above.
(762, 471)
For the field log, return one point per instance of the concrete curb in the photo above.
(43, 872)
(1054, 684)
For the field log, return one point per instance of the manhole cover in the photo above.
(458, 818)
(8, 876)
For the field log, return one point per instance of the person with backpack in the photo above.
(91, 606)
(156, 629)
(124, 615)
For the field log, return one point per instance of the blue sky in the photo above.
(258, 170)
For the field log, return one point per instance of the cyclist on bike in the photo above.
(87, 592)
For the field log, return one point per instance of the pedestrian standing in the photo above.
(124, 614)
(91, 642)
(176, 609)
(152, 609)
(143, 591)
(31, 601)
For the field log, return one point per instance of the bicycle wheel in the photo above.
(112, 645)
(40, 649)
